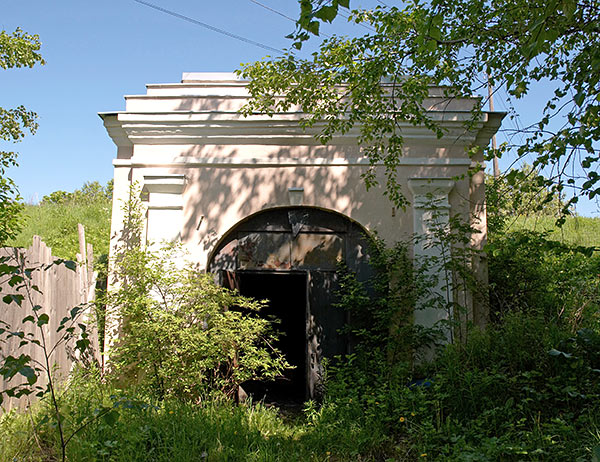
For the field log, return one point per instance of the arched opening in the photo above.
(289, 256)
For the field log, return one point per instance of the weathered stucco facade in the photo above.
(207, 170)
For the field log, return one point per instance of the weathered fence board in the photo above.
(60, 290)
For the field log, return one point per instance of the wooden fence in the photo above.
(60, 290)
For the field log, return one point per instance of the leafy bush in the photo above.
(507, 394)
(182, 334)
(528, 272)
(185, 336)
(380, 309)
(526, 388)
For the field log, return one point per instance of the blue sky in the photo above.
(96, 52)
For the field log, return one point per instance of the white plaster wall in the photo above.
(234, 167)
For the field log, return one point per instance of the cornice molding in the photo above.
(233, 162)
(228, 128)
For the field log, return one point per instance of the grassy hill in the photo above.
(55, 219)
(584, 231)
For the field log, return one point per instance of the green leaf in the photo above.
(75, 311)
(579, 98)
(554, 352)
(111, 417)
(82, 344)
(43, 319)
(510, 78)
(16, 298)
(14, 280)
(11, 365)
(313, 27)
(29, 374)
(435, 33)
(327, 13)
(7, 269)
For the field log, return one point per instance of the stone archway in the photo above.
(289, 256)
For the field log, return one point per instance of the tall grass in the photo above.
(57, 226)
(584, 231)
(141, 430)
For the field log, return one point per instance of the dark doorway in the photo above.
(286, 293)
(289, 255)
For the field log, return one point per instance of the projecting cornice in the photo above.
(225, 162)
(186, 127)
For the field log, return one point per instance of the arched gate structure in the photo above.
(289, 256)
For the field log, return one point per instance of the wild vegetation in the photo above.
(56, 217)
(525, 388)
(462, 46)
(183, 336)
(17, 49)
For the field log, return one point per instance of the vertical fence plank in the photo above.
(62, 289)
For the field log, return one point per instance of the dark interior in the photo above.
(286, 293)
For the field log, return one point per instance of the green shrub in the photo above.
(526, 388)
(529, 272)
(380, 310)
(182, 335)
(508, 394)
(185, 336)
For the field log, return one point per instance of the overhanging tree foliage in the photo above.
(461, 44)
(17, 49)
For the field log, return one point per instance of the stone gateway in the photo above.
(259, 202)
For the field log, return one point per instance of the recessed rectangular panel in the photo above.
(164, 225)
(264, 250)
(317, 251)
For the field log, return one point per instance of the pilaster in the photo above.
(431, 214)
